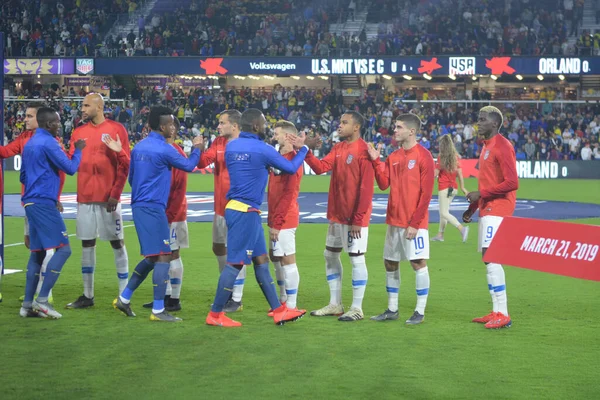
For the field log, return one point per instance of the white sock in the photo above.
(499, 286)
(292, 281)
(122, 263)
(491, 287)
(222, 260)
(176, 275)
(280, 276)
(49, 254)
(88, 265)
(124, 300)
(360, 276)
(392, 285)
(422, 286)
(238, 285)
(169, 290)
(334, 272)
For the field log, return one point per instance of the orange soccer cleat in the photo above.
(500, 321)
(485, 319)
(220, 319)
(270, 312)
(283, 314)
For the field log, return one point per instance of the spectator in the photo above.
(530, 149)
(586, 152)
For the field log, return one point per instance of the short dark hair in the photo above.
(233, 116)
(35, 104)
(287, 126)
(412, 120)
(156, 113)
(250, 117)
(357, 118)
(43, 115)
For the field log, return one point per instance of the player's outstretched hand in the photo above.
(297, 141)
(112, 204)
(313, 141)
(80, 144)
(274, 234)
(374, 154)
(410, 233)
(466, 217)
(114, 145)
(199, 143)
(473, 196)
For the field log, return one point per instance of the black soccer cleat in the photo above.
(81, 302)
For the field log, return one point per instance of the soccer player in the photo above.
(349, 209)
(16, 147)
(178, 228)
(100, 183)
(496, 199)
(409, 173)
(447, 168)
(283, 218)
(248, 158)
(229, 129)
(150, 179)
(42, 159)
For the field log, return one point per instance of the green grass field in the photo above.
(551, 352)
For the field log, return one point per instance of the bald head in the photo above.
(93, 108)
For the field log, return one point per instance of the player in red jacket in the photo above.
(100, 181)
(16, 148)
(229, 129)
(349, 211)
(283, 218)
(495, 199)
(409, 173)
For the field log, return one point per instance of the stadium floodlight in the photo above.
(453, 77)
(427, 76)
(407, 77)
(295, 77)
(310, 78)
(519, 77)
(540, 77)
(325, 78)
(386, 77)
(474, 77)
(494, 77)
(561, 77)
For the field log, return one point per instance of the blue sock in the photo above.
(225, 287)
(34, 266)
(140, 273)
(55, 265)
(265, 281)
(159, 282)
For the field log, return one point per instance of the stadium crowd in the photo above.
(547, 132)
(297, 28)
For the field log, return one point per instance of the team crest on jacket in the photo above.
(349, 159)
(486, 154)
(105, 136)
(411, 164)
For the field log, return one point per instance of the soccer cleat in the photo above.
(30, 313)
(124, 308)
(353, 314)
(415, 319)
(164, 317)
(233, 306)
(328, 310)
(465, 234)
(499, 321)
(46, 309)
(173, 305)
(220, 319)
(151, 304)
(437, 239)
(270, 312)
(1, 297)
(485, 319)
(387, 315)
(81, 302)
(283, 314)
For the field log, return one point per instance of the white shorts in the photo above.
(26, 226)
(93, 221)
(219, 229)
(286, 245)
(179, 236)
(398, 248)
(488, 226)
(338, 235)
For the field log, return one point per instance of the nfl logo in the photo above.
(349, 159)
(486, 155)
(84, 65)
(105, 136)
(411, 164)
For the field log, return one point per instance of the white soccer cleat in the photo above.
(25, 312)
(465, 234)
(46, 309)
(354, 314)
(328, 310)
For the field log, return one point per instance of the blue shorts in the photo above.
(245, 237)
(152, 229)
(47, 229)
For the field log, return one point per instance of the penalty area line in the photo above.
(72, 234)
